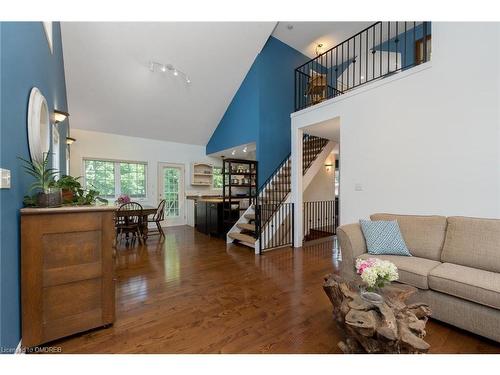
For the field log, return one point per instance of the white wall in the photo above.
(92, 144)
(424, 141)
(322, 186)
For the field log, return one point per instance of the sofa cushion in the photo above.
(473, 243)
(384, 237)
(424, 235)
(412, 270)
(468, 283)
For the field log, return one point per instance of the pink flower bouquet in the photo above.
(122, 199)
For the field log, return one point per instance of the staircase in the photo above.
(273, 207)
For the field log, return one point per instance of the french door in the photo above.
(171, 188)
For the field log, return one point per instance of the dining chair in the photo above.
(158, 218)
(128, 220)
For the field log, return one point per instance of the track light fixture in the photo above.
(159, 67)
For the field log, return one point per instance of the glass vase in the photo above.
(371, 295)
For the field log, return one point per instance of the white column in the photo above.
(297, 176)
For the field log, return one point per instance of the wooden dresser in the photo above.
(67, 271)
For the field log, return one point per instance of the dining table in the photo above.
(146, 211)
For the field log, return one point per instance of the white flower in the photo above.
(375, 272)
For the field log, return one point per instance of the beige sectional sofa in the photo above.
(455, 265)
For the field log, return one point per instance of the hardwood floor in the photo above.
(191, 294)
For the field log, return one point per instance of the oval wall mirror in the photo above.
(38, 125)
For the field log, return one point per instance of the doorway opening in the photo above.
(171, 188)
(321, 184)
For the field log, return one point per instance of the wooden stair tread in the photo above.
(250, 216)
(246, 226)
(242, 237)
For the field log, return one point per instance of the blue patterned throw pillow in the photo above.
(384, 238)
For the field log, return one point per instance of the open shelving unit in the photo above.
(202, 174)
(239, 186)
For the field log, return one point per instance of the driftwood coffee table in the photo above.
(389, 327)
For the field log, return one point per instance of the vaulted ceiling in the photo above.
(111, 89)
(305, 36)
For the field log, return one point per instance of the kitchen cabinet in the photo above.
(201, 216)
(209, 216)
(214, 218)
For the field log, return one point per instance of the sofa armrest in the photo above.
(352, 245)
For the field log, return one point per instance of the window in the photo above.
(100, 175)
(133, 179)
(112, 178)
(217, 177)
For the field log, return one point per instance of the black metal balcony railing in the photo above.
(319, 219)
(381, 49)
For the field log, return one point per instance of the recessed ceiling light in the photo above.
(233, 152)
(245, 149)
(163, 68)
(176, 73)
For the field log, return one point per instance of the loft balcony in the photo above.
(380, 50)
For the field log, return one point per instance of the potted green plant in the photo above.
(48, 195)
(69, 186)
(86, 197)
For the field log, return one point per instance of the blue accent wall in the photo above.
(277, 101)
(239, 124)
(26, 62)
(260, 110)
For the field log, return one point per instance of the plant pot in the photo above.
(68, 196)
(51, 197)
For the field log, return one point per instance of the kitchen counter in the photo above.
(213, 199)
(210, 218)
(198, 197)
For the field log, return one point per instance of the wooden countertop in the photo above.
(196, 197)
(217, 199)
(211, 200)
(67, 209)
